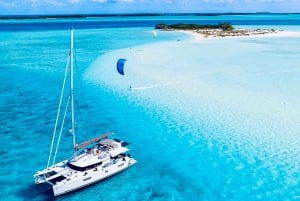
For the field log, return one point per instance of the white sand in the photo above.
(281, 33)
(196, 78)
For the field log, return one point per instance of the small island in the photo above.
(221, 30)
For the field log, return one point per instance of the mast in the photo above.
(72, 91)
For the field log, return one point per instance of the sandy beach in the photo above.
(190, 76)
(251, 33)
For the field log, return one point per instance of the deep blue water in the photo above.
(146, 21)
(213, 152)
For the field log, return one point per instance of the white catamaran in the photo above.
(93, 160)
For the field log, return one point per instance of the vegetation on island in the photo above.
(220, 30)
(226, 26)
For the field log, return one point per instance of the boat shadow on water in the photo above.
(34, 192)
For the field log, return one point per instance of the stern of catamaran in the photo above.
(44, 177)
(50, 175)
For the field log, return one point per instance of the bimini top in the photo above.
(91, 141)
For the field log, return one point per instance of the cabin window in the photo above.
(57, 179)
(87, 179)
(50, 174)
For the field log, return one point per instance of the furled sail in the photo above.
(91, 141)
(120, 66)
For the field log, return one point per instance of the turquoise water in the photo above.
(208, 120)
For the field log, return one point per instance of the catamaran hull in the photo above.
(90, 177)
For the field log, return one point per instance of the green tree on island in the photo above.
(226, 26)
(180, 26)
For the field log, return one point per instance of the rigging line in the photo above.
(58, 112)
(61, 130)
(90, 127)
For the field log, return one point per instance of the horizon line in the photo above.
(36, 16)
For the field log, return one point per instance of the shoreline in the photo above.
(216, 34)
